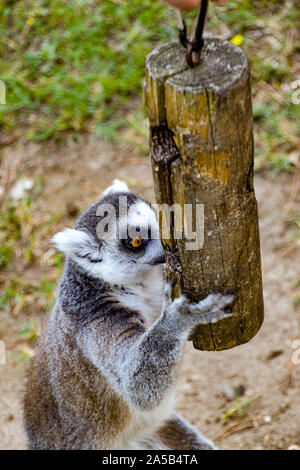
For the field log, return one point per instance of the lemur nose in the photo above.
(160, 259)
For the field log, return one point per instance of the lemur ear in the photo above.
(118, 186)
(74, 242)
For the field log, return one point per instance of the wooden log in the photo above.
(201, 140)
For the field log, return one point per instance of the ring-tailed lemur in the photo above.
(105, 371)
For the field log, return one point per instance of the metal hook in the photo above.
(193, 46)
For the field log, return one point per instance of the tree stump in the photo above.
(201, 140)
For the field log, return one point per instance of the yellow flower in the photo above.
(30, 20)
(238, 39)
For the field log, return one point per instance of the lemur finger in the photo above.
(206, 304)
(212, 317)
(223, 302)
(212, 303)
(181, 303)
(168, 289)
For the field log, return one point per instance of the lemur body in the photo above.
(104, 374)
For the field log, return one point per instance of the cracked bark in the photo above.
(201, 142)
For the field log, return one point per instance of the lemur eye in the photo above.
(135, 243)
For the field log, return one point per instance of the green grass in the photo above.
(272, 43)
(29, 331)
(238, 410)
(73, 65)
(17, 294)
(78, 66)
(10, 232)
(20, 233)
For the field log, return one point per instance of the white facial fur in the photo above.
(107, 260)
(74, 242)
(143, 216)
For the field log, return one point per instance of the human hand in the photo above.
(191, 4)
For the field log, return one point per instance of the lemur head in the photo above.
(116, 239)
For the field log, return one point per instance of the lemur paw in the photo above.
(168, 289)
(212, 303)
(212, 308)
(208, 310)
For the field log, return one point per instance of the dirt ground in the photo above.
(74, 174)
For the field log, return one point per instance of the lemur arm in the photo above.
(140, 363)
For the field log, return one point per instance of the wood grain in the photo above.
(201, 140)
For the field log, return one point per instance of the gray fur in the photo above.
(105, 373)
